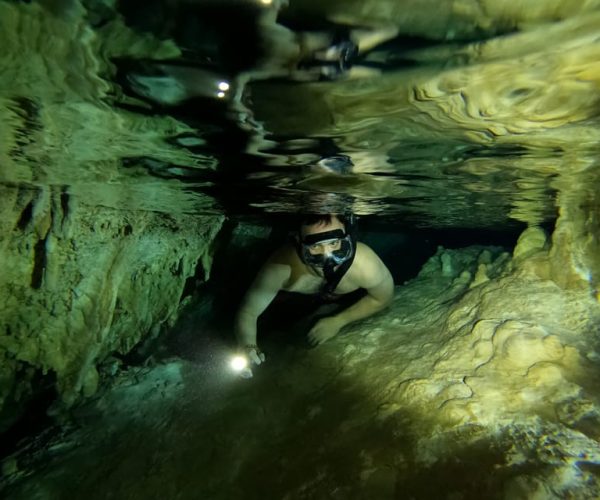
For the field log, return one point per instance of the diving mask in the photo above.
(327, 248)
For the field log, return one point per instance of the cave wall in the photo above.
(94, 268)
(479, 381)
(575, 254)
(81, 282)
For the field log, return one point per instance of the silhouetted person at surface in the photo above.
(323, 259)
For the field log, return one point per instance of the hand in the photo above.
(323, 330)
(254, 354)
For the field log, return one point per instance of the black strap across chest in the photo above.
(333, 277)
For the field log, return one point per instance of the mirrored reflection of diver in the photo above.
(334, 165)
(323, 260)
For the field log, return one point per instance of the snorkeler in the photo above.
(325, 260)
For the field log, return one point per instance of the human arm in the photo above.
(269, 280)
(373, 276)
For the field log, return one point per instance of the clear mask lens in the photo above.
(335, 251)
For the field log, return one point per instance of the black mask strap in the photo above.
(311, 239)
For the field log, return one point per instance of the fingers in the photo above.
(315, 342)
(314, 339)
(255, 355)
(321, 332)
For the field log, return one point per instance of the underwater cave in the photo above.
(286, 249)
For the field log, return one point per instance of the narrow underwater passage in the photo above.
(154, 154)
(478, 382)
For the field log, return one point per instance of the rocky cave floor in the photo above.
(480, 381)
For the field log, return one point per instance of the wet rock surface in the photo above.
(457, 391)
(131, 131)
(81, 283)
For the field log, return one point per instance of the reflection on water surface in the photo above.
(467, 115)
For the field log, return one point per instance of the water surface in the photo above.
(466, 115)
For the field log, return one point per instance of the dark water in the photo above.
(471, 118)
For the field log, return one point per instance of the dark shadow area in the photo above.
(262, 439)
(309, 454)
(220, 34)
(28, 416)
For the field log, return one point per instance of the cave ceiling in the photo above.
(454, 113)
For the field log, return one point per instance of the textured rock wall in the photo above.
(453, 19)
(60, 126)
(575, 255)
(81, 282)
(91, 263)
(480, 381)
(509, 347)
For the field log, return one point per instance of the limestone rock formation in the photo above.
(92, 262)
(81, 282)
(464, 388)
(480, 381)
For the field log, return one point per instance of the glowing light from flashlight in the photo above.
(239, 363)
(266, 2)
(223, 86)
(220, 95)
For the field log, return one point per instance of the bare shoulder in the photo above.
(285, 255)
(278, 268)
(366, 256)
(368, 267)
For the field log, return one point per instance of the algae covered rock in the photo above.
(83, 282)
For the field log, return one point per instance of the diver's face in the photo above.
(322, 250)
(326, 247)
